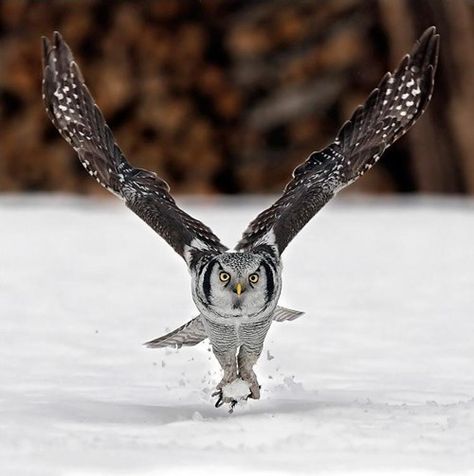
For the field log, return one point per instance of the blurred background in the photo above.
(226, 96)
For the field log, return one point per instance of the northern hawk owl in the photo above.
(237, 291)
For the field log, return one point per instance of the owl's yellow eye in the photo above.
(224, 277)
(253, 278)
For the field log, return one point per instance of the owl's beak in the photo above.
(239, 289)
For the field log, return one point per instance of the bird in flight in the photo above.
(236, 291)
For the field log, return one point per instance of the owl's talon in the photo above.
(232, 404)
(220, 401)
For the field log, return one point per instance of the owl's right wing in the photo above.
(390, 110)
(75, 114)
(188, 334)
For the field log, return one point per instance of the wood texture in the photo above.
(229, 96)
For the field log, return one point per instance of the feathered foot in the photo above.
(246, 361)
(232, 393)
(250, 379)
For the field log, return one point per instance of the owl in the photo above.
(236, 291)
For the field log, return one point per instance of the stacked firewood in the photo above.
(225, 95)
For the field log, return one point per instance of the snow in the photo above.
(236, 390)
(377, 376)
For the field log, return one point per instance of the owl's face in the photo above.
(237, 284)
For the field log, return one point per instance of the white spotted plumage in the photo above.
(237, 292)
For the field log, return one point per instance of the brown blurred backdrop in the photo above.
(229, 96)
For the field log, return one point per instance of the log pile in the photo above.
(229, 96)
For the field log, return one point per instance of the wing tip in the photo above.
(296, 316)
(57, 38)
(426, 49)
(57, 41)
(45, 50)
(160, 344)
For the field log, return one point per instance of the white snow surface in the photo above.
(377, 377)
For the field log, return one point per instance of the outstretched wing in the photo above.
(194, 331)
(75, 114)
(390, 110)
(284, 314)
(188, 334)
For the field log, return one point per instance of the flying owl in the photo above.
(237, 291)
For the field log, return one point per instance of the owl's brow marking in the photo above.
(206, 281)
(270, 283)
(272, 262)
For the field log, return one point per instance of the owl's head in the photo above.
(238, 283)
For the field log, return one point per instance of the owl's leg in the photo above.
(253, 336)
(224, 342)
(228, 363)
(247, 358)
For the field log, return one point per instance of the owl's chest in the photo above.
(235, 330)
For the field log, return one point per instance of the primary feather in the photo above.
(390, 110)
(75, 114)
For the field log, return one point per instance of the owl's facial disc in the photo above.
(238, 284)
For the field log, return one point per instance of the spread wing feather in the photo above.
(75, 114)
(188, 334)
(390, 110)
(194, 331)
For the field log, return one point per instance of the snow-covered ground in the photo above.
(377, 377)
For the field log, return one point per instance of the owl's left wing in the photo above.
(390, 110)
(75, 114)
